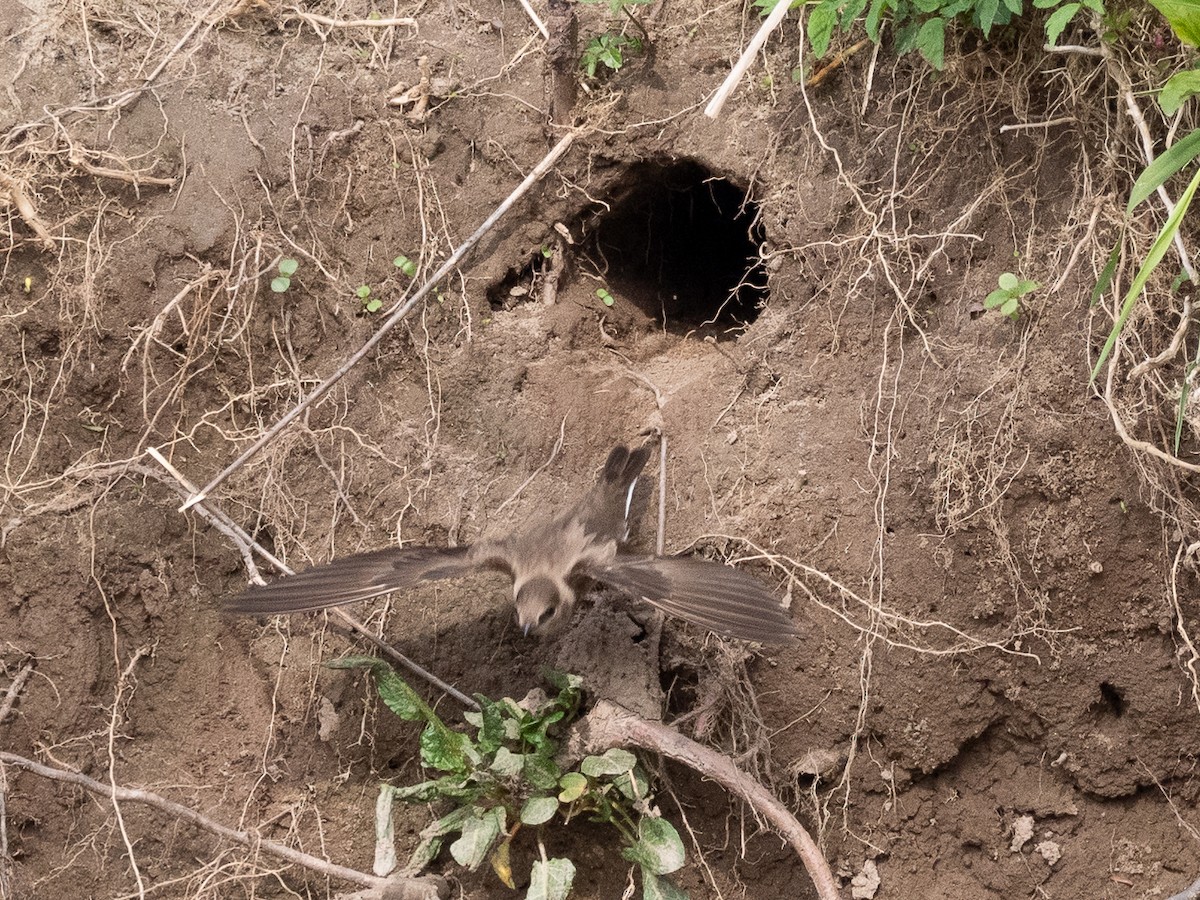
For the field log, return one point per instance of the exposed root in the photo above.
(608, 725)
(415, 888)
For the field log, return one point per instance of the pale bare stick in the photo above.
(660, 545)
(609, 725)
(245, 542)
(535, 18)
(774, 20)
(314, 19)
(427, 886)
(396, 314)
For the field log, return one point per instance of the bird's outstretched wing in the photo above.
(362, 576)
(715, 596)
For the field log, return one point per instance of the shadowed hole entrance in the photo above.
(682, 244)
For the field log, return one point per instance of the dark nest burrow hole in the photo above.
(677, 241)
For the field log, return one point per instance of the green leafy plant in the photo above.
(370, 304)
(921, 24)
(605, 297)
(405, 265)
(281, 282)
(1007, 297)
(609, 49)
(508, 775)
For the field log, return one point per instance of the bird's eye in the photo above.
(545, 617)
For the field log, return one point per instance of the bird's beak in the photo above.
(525, 630)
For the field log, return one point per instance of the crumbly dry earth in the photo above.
(990, 696)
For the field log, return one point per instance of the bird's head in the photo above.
(543, 606)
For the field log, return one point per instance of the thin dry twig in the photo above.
(14, 690)
(423, 887)
(609, 725)
(315, 19)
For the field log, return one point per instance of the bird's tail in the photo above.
(606, 509)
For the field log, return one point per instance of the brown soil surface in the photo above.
(997, 646)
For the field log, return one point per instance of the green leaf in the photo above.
(444, 749)
(1178, 88)
(1010, 307)
(633, 784)
(447, 786)
(550, 879)
(986, 10)
(1007, 281)
(821, 22)
(538, 810)
(507, 764)
(1045, 4)
(490, 722)
(432, 836)
(373, 305)
(1014, 6)
(288, 267)
(479, 832)
(995, 298)
(851, 11)
(614, 762)
(362, 292)
(541, 771)
(1184, 16)
(1157, 251)
(565, 683)
(399, 697)
(1154, 175)
(658, 848)
(1058, 21)
(931, 42)
(573, 787)
(873, 19)
(656, 888)
(280, 284)
(405, 265)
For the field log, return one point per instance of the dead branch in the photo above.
(423, 888)
(609, 725)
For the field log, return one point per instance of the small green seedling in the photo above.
(608, 50)
(281, 282)
(508, 775)
(370, 304)
(605, 297)
(405, 265)
(547, 251)
(1008, 295)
